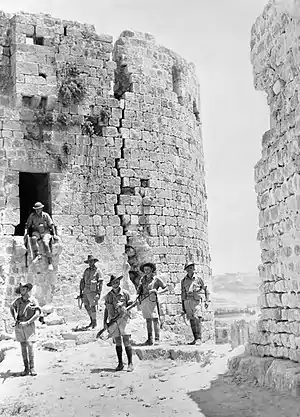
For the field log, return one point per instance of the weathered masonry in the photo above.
(275, 56)
(108, 137)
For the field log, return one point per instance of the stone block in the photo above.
(53, 319)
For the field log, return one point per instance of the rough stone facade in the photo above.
(116, 130)
(275, 56)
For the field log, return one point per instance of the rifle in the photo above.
(26, 254)
(79, 297)
(119, 316)
(79, 301)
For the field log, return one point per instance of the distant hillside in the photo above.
(235, 290)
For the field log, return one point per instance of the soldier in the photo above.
(193, 294)
(116, 302)
(39, 226)
(25, 310)
(149, 285)
(90, 289)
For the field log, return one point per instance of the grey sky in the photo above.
(215, 35)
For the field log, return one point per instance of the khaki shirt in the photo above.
(92, 280)
(25, 310)
(39, 223)
(147, 284)
(193, 288)
(115, 301)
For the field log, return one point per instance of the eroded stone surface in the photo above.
(281, 375)
(275, 59)
(123, 151)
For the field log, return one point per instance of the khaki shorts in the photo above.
(90, 299)
(149, 309)
(26, 333)
(193, 309)
(119, 329)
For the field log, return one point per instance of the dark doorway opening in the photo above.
(32, 188)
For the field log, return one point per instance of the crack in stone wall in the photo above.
(126, 168)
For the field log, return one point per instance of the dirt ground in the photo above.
(81, 382)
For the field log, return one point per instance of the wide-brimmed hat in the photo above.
(91, 258)
(113, 278)
(28, 285)
(152, 266)
(38, 205)
(190, 263)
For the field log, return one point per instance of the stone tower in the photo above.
(108, 137)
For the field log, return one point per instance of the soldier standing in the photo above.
(25, 310)
(116, 302)
(194, 294)
(90, 289)
(149, 286)
(40, 226)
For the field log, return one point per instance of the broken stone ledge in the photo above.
(279, 374)
(201, 354)
(5, 346)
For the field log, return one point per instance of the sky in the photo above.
(215, 35)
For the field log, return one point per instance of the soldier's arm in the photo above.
(139, 289)
(99, 282)
(50, 224)
(13, 310)
(37, 313)
(82, 283)
(34, 317)
(163, 286)
(129, 302)
(183, 296)
(206, 293)
(28, 224)
(105, 317)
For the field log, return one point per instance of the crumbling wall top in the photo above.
(274, 44)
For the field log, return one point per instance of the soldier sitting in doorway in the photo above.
(40, 226)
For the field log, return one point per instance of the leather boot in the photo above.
(198, 331)
(32, 371)
(26, 368)
(119, 351)
(94, 323)
(90, 324)
(156, 329)
(25, 359)
(194, 331)
(149, 341)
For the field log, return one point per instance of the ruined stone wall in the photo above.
(275, 56)
(120, 137)
(47, 130)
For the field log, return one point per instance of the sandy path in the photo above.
(80, 382)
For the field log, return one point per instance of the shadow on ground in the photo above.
(8, 374)
(228, 398)
(100, 370)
